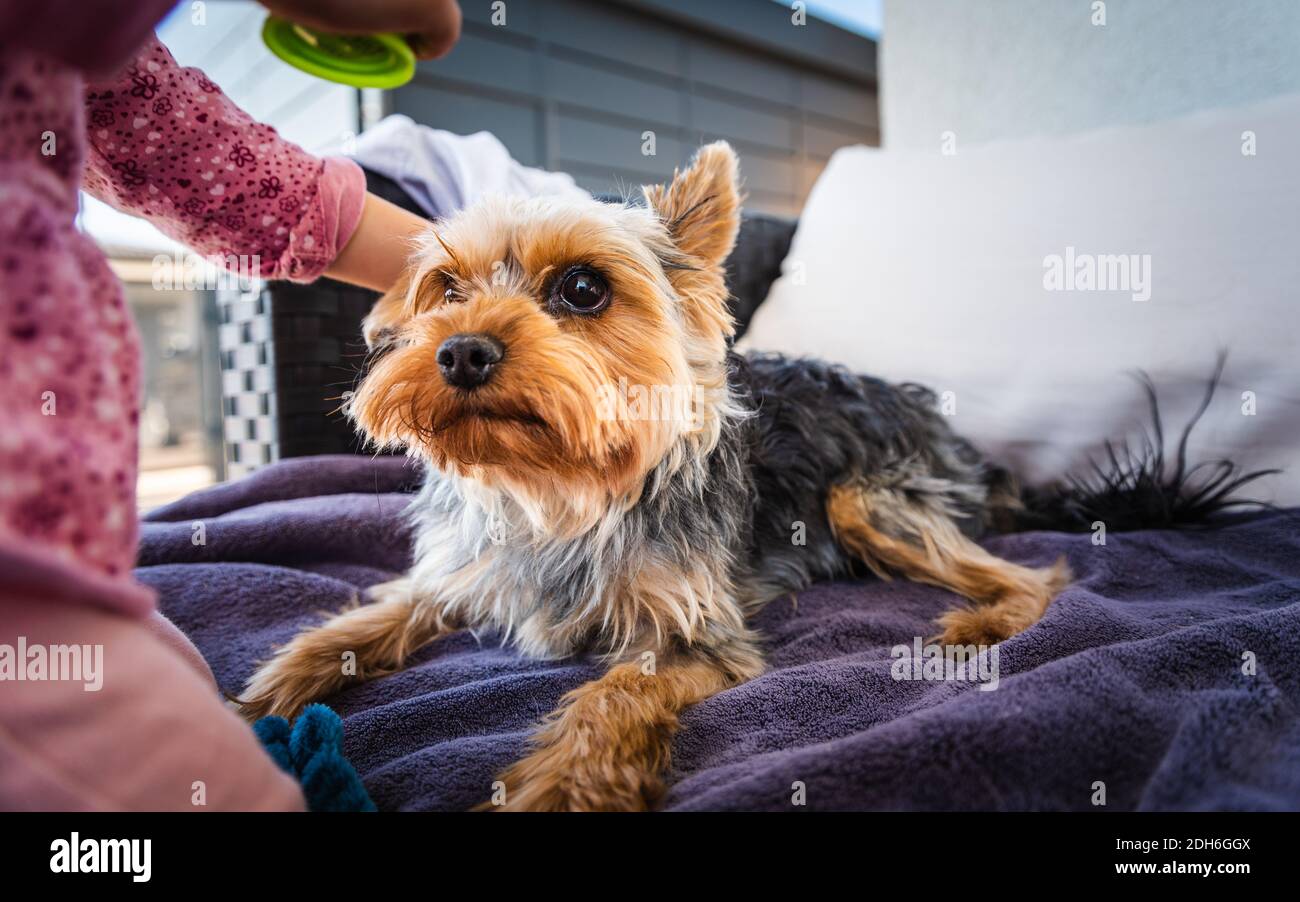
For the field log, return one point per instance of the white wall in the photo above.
(990, 69)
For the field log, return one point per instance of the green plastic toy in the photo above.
(362, 61)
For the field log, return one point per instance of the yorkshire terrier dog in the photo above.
(572, 525)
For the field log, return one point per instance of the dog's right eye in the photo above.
(452, 296)
(584, 291)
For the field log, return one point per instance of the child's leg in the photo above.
(154, 735)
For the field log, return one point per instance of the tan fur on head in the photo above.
(541, 427)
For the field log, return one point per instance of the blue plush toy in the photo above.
(312, 753)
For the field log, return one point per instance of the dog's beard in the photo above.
(475, 435)
(455, 429)
(544, 424)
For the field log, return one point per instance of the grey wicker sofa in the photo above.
(288, 352)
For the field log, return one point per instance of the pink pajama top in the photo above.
(152, 139)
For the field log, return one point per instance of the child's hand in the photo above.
(431, 27)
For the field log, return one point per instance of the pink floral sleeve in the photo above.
(166, 144)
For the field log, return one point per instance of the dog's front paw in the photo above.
(271, 690)
(551, 780)
(284, 685)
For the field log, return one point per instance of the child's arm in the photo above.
(166, 144)
(380, 246)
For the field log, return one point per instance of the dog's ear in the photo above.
(701, 205)
(389, 311)
(701, 209)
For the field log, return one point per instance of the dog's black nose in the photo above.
(466, 361)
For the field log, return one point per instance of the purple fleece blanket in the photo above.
(1169, 672)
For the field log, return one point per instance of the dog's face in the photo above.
(526, 330)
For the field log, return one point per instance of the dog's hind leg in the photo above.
(358, 644)
(890, 530)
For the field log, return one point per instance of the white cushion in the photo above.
(932, 268)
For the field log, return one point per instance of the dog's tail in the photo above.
(1137, 487)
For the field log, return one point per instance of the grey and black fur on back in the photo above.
(817, 425)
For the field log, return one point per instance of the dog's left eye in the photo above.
(584, 291)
